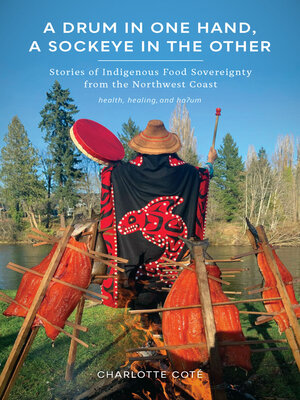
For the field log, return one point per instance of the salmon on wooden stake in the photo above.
(185, 326)
(60, 300)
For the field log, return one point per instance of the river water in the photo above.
(28, 256)
(22, 254)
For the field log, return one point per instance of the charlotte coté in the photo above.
(149, 374)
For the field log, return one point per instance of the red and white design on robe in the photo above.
(156, 221)
(160, 226)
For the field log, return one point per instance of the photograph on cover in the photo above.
(149, 200)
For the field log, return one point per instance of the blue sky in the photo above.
(255, 110)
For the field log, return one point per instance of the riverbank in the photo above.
(234, 234)
(219, 234)
(226, 234)
(11, 235)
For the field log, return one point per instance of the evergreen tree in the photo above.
(129, 130)
(262, 157)
(57, 118)
(22, 188)
(181, 124)
(228, 171)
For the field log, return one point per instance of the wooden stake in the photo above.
(40, 244)
(49, 237)
(257, 313)
(87, 233)
(22, 270)
(231, 292)
(258, 290)
(94, 232)
(78, 316)
(280, 284)
(104, 255)
(73, 345)
(93, 299)
(106, 229)
(250, 253)
(201, 344)
(251, 239)
(22, 338)
(263, 320)
(175, 263)
(269, 349)
(235, 270)
(224, 303)
(145, 358)
(216, 371)
(162, 357)
(176, 270)
(253, 287)
(28, 342)
(36, 237)
(224, 261)
(293, 345)
(76, 326)
(213, 278)
(183, 264)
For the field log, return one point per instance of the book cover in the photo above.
(123, 64)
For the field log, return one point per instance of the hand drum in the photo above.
(96, 142)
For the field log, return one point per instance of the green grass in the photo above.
(42, 375)
(274, 375)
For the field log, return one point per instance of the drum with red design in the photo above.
(96, 141)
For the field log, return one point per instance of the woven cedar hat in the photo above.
(96, 141)
(155, 139)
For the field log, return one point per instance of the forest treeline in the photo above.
(45, 188)
(265, 188)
